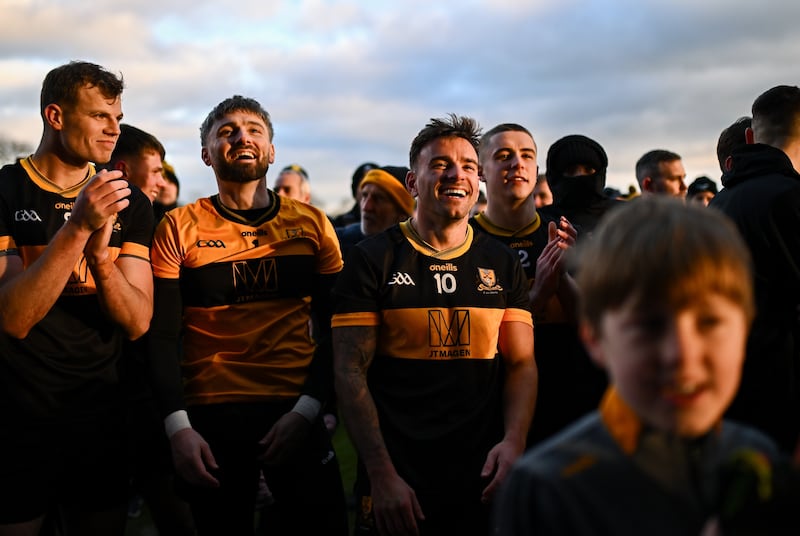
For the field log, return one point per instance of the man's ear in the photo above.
(411, 183)
(749, 136)
(121, 166)
(647, 184)
(591, 340)
(204, 156)
(728, 163)
(54, 116)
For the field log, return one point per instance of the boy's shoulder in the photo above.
(572, 451)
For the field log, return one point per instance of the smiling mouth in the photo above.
(244, 155)
(454, 192)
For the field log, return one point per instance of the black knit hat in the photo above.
(701, 184)
(575, 149)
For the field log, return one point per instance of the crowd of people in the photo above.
(511, 351)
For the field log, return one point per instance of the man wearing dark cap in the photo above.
(576, 171)
(354, 214)
(702, 190)
(384, 201)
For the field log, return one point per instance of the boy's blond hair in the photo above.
(658, 250)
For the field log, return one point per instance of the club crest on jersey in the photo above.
(297, 232)
(488, 280)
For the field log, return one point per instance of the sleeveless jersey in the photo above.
(68, 362)
(436, 378)
(246, 290)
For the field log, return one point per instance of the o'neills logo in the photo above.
(447, 267)
(64, 206)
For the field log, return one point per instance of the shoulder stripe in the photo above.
(344, 320)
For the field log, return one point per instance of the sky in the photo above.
(347, 82)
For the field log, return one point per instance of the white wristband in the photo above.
(176, 421)
(307, 407)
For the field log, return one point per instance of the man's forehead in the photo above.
(512, 139)
(444, 147)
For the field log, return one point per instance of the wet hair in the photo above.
(670, 250)
(61, 85)
(237, 103)
(647, 165)
(454, 126)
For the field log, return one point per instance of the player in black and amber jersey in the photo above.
(569, 383)
(74, 282)
(433, 349)
(238, 277)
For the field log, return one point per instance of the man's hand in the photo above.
(104, 196)
(498, 464)
(395, 506)
(193, 458)
(284, 438)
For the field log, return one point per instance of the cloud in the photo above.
(349, 81)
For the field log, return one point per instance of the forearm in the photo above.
(163, 347)
(521, 380)
(567, 293)
(351, 361)
(128, 303)
(26, 295)
(519, 400)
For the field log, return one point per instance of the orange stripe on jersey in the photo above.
(440, 333)
(518, 315)
(344, 320)
(132, 249)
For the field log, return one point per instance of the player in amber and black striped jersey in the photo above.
(569, 383)
(239, 277)
(433, 347)
(74, 282)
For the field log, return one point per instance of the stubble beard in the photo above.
(238, 173)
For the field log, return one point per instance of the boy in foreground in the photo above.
(665, 310)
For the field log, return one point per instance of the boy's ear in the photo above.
(591, 340)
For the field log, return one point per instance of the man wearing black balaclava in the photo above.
(576, 172)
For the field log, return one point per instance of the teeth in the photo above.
(455, 192)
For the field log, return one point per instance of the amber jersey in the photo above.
(246, 289)
(436, 378)
(68, 362)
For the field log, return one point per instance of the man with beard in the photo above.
(238, 277)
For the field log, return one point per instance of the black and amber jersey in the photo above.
(246, 290)
(569, 383)
(68, 361)
(436, 378)
(528, 242)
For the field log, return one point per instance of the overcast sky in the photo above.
(348, 82)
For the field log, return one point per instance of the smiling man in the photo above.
(140, 157)
(74, 282)
(238, 276)
(433, 352)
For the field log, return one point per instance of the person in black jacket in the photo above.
(762, 196)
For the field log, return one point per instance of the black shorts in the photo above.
(308, 492)
(76, 463)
